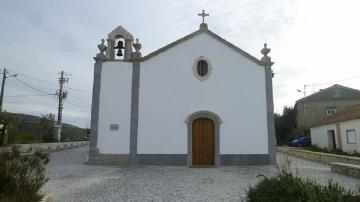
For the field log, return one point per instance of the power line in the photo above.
(325, 83)
(50, 83)
(77, 105)
(29, 86)
(30, 77)
(341, 80)
(79, 90)
(29, 95)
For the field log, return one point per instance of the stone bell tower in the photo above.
(116, 34)
(119, 48)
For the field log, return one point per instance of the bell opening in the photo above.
(119, 48)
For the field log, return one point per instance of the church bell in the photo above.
(119, 46)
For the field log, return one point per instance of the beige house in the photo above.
(339, 131)
(317, 107)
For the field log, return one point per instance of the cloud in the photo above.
(311, 41)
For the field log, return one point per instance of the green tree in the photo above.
(47, 127)
(7, 128)
(285, 125)
(87, 134)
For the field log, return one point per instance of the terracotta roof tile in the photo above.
(348, 113)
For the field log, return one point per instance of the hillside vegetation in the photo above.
(27, 129)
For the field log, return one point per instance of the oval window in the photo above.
(202, 68)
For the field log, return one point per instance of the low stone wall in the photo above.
(346, 169)
(51, 147)
(319, 157)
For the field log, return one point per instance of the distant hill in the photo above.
(29, 124)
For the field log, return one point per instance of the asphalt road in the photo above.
(72, 180)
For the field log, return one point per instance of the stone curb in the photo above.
(319, 156)
(346, 169)
(51, 147)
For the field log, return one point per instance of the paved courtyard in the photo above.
(72, 180)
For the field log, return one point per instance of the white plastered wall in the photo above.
(350, 125)
(115, 106)
(169, 93)
(319, 135)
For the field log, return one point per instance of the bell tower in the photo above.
(121, 40)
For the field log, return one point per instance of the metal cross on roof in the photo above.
(203, 15)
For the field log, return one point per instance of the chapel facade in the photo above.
(199, 101)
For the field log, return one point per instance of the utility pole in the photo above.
(61, 82)
(3, 87)
(3, 125)
(61, 95)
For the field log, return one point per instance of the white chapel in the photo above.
(199, 101)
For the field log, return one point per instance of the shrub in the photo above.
(284, 186)
(21, 176)
(24, 138)
(316, 148)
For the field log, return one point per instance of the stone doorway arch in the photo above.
(217, 121)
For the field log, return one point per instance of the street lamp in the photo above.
(300, 91)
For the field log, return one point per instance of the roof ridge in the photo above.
(326, 90)
(172, 44)
(197, 32)
(354, 89)
(317, 93)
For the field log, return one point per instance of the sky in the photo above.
(313, 43)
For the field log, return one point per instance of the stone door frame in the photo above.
(217, 122)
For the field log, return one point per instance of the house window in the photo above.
(202, 68)
(330, 111)
(336, 93)
(351, 136)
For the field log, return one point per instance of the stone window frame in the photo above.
(199, 77)
(347, 136)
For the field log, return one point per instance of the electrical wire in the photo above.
(30, 77)
(341, 80)
(28, 95)
(29, 86)
(77, 105)
(50, 83)
(79, 90)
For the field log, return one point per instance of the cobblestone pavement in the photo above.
(72, 180)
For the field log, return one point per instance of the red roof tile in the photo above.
(348, 113)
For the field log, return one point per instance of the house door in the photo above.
(203, 142)
(331, 139)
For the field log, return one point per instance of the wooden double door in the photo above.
(203, 142)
